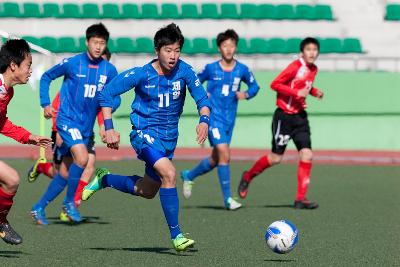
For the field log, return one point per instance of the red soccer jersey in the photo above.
(298, 75)
(7, 128)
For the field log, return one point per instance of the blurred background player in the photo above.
(84, 76)
(51, 168)
(15, 68)
(290, 121)
(223, 87)
(160, 90)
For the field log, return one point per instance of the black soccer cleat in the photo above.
(305, 204)
(8, 234)
(243, 187)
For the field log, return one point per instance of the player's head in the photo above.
(16, 60)
(227, 43)
(168, 42)
(106, 54)
(96, 40)
(309, 48)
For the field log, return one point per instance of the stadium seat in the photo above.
(31, 10)
(68, 45)
(189, 11)
(305, 12)
(266, 11)
(214, 46)
(352, 45)
(82, 44)
(112, 47)
(248, 11)
(51, 10)
(144, 45)
(331, 45)
(201, 46)
(124, 45)
(130, 11)
(149, 11)
(209, 11)
(110, 11)
(258, 46)
(49, 43)
(392, 12)
(10, 10)
(276, 46)
(169, 11)
(229, 11)
(90, 11)
(242, 47)
(70, 11)
(323, 12)
(292, 45)
(284, 11)
(187, 47)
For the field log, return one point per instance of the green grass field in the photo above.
(357, 223)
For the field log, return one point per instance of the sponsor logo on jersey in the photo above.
(150, 86)
(176, 89)
(80, 75)
(197, 82)
(129, 73)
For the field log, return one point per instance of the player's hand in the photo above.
(48, 112)
(202, 132)
(303, 93)
(102, 133)
(112, 139)
(41, 141)
(319, 94)
(241, 95)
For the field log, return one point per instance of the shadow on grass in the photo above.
(11, 254)
(280, 260)
(278, 206)
(158, 250)
(206, 207)
(85, 220)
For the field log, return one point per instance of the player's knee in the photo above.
(81, 161)
(306, 155)
(12, 182)
(169, 177)
(274, 159)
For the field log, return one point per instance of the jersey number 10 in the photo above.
(90, 90)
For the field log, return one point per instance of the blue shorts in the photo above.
(219, 135)
(150, 150)
(71, 135)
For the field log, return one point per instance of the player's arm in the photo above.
(100, 118)
(316, 93)
(203, 106)
(252, 85)
(280, 84)
(45, 81)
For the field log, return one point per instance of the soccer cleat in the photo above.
(232, 204)
(8, 234)
(64, 217)
(72, 212)
(187, 184)
(33, 173)
(181, 243)
(95, 185)
(39, 216)
(243, 187)
(305, 204)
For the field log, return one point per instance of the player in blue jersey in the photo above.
(85, 75)
(223, 78)
(160, 90)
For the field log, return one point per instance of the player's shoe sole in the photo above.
(33, 173)
(181, 243)
(305, 204)
(243, 187)
(8, 234)
(95, 185)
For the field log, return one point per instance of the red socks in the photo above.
(6, 201)
(303, 179)
(45, 168)
(258, 167)
(78, 193)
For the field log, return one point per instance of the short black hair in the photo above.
(107, 53)
(13, 50)
(307, 41)
(168, 35)
(228, 34)
(97, 30)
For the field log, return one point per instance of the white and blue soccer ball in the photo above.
(281, 236)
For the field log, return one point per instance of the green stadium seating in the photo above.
(276, 46)
(110, 45)
(110, 11)
(331, 45)
(31, 39)
(149, 11)
(284, 11)
(90, 11)
(258, 46)
(209, 11)
(130, 11)
(200, 46)
(229, 11)
(31, 10)
(392, 12)
(323, 12)
(243, 47)
(248, 11)
(169, 11)
(187, 46)
(10, 10)
(305, 12)
(125, 45)
(71, 11)
(214, 46)
(144, 45)
(68, 45)
(82, 44)
(266, 11)
(189, 11)
(51, 10)
(293, 45)
(49, 43)
(352, 45)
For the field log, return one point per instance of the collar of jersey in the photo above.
(96, 61)
(161, 74)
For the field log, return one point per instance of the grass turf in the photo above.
(357, 223)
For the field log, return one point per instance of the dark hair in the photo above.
(307, 41)
(168, 35)
(228, 34)
(97, 30)
(107, 53)
(14, 50)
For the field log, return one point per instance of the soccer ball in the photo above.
(281, 236)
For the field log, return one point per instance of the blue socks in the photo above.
(122, 183)
(75, 173)
(203, 167)
(170, 205)
(224, 176)
(55, 187)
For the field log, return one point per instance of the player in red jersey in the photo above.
(15, 68)
(290, 121)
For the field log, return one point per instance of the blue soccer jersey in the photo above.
(222, 87)
(83, 80)
(158, 102)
